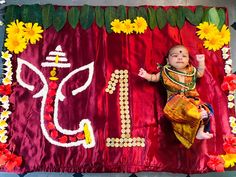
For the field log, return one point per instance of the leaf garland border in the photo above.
(86, 15)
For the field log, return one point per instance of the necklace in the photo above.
(188, 86)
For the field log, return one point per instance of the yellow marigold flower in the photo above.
(225, 34)
(230, 160)
(32, 32)
(15, 27)
(6, 55)
(117, 26)
(15, 43)
(128, 27)
(213, 43)
(140, 25)
(206, 30)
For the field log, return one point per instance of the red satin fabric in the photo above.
(162, 152)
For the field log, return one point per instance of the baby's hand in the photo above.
(200, 58)
(142, 73)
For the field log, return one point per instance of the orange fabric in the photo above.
(182, 107)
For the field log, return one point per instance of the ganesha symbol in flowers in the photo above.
(50, 126)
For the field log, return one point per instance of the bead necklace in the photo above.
(188, 86)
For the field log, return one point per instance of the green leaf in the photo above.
(172, 16)
(99, 16)
(190, 16)
(12, 13)
(31, 13)
(161, 17)
(59, 18)
(87, 15)
(205, 17)
(47, 15)
(180, 17)
(110, 15)
(214, 16)
(198, 14)
(121, 12)
(132, 13)
(152, 18)
(221, 13)
(142, 12)
(73, 16)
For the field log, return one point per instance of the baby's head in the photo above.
(178, 57)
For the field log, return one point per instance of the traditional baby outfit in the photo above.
(183, 107)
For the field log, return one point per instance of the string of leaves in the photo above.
(57, 16)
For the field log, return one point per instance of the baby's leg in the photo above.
(201, 134)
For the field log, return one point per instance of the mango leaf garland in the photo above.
(172, 16)
(59, 18)
(12, 13)
(99, 16)
(221, 13)
(47, 15)
(132, 13)
(161, 17)
(73, 16)
(214, 16)
(110, 15)
(87, 15)
(152, 18)
(121, 12)
(180, 17)
(142, 13)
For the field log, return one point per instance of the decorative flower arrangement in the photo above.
(7, 159)
(19, 34)
(213, 38)
(218, 163)
(126, 26)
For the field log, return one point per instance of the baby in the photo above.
(187, 113)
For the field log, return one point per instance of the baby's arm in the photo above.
(150, 77)
(201, 65)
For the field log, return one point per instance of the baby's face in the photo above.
(178, 57)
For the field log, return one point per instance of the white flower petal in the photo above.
(228, 69)
(229, 62)
(232, 119)
(225, 50)
(230, 97)
(230, 105)
(225, 56)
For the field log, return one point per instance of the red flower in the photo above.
(5, 89)
(229, 83)
(216, 163)
(12, 161)
(230, 144)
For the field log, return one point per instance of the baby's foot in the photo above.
(204, 135)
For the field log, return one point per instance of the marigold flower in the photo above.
(140, 25)
(33, 32)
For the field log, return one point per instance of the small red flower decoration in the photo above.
(216, 163)
(7, 159)
(229, 83)
(5, 89)
(230, 144)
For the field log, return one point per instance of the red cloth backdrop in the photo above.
(162, 151)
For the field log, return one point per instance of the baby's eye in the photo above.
(175, 56)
